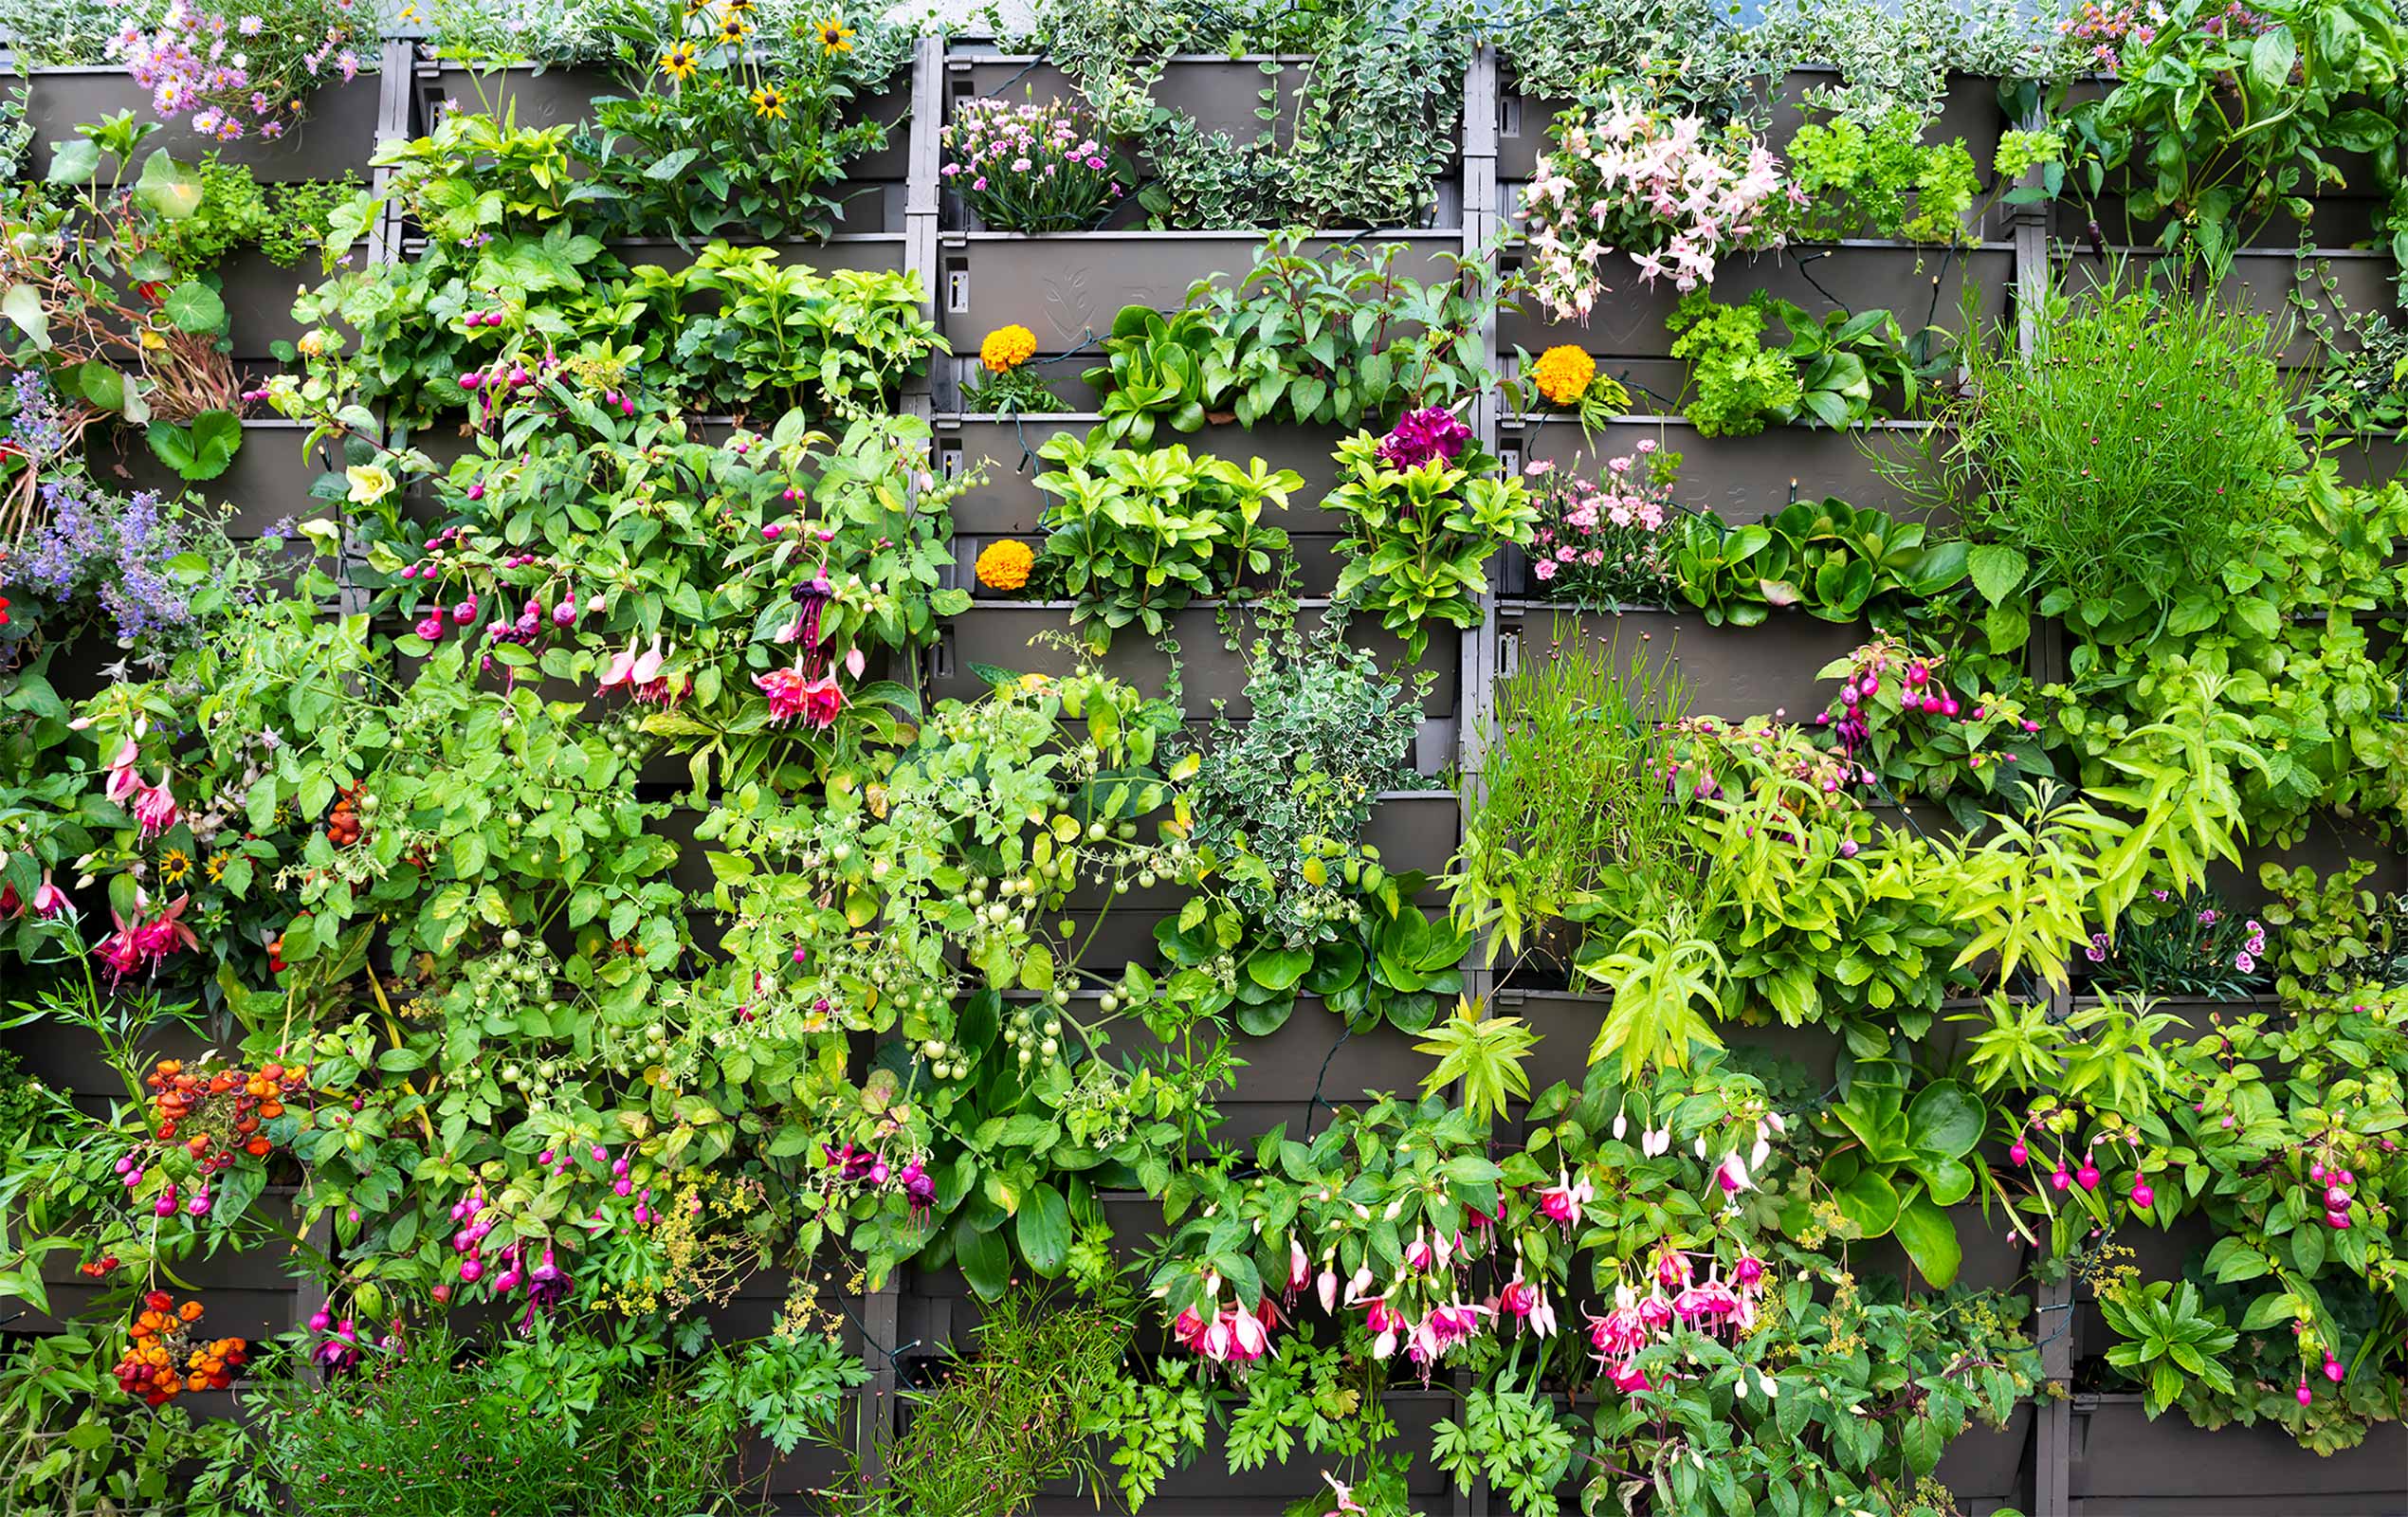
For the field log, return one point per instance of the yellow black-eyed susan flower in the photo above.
(834, 36)
(214, 867)
(769, 105)
(174, 867)
(678, 62)
(733, 30)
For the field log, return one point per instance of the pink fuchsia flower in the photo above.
(1712, 1298)
(49, 900)
(1628, 1377)
(125, 782)
(1299, 1269)
(137, 944)
(154, 808)
(1344, 1494)
(793, 694)
(1563, 1202)
(1731, 1174)
(1528, 1305)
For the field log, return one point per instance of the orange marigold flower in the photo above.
(1563, 373)
(1005, 564)
(1007, 348)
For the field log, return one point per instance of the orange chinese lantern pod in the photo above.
(190, 1311)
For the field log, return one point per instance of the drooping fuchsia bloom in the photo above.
(1712, 1300)
(1299, 1269)
(641, 672)
(1526, 1304)
(154, 808)
(1628, 1378)
(1731, 1174)
(137, 943)
(1672, 1269)
(1563, 1202)
(125, 782)
(1345, 1494)
(49, 900)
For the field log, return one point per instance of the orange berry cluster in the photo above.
(166, 1358)
(201, 1107)
(342, 824)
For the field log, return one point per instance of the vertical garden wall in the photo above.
(755, 750)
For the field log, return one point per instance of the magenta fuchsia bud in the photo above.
(2333, 1371)
(2061, 1180)
(320, 1321)
(471, 1272)
(1931, 706)
(1848, 847)
(2316, 1169)
(1916, 675)
(2349, 1179)
(431, 627)
(1948, 707)
(2336, 1198)
(472, 380)
(1848, 695)
(2018, 1153)
(477, 491)
(2306, 1397)
(627, 408)
(565, 614)
(2142, 1196)
(2087, 1176)
(2338, 1221)
(1869, 684)
(1978, 712)
(125, 1165)
(772, 531)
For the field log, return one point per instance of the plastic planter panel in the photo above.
(871, 251)
(1740, 479)
(1218, 94)
(998, 635)
(2127, 1466)
(1728, 671)
(336, 136)
(2328, 845)
(2263, 279)
(1970, 111)
(259, 295)
(268, 480)
(556, 96)
(1067, 287)
(1923, 286)
(1009, 504)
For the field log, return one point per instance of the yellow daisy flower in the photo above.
(175, 864)
(214, 867)
(733, 30)
(678, 62)
(834, 36)
(769, 105)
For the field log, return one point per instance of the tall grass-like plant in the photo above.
(2110, 474)
(1573, 814)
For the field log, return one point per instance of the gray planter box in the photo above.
(337, 135)
(1067, 287)
(246, 1293)
(1970, 112)
(2125, 1465)
(268, 480)
(1987, 1468)
(1009, 504)
(1728, 671)
(2328, 845)
(879, 249)
(1924, 287)
(2262, 280)
(1740, 479)
(998, 634)
(259, 297)
(2371, 460)
(1219, 94)
(555, 97)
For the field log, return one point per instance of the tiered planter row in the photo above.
(1067, 289)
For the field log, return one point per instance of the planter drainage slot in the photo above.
(940, 656)
(949, 460)
(1508, 654)
(956, 286)
(1510, 116)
